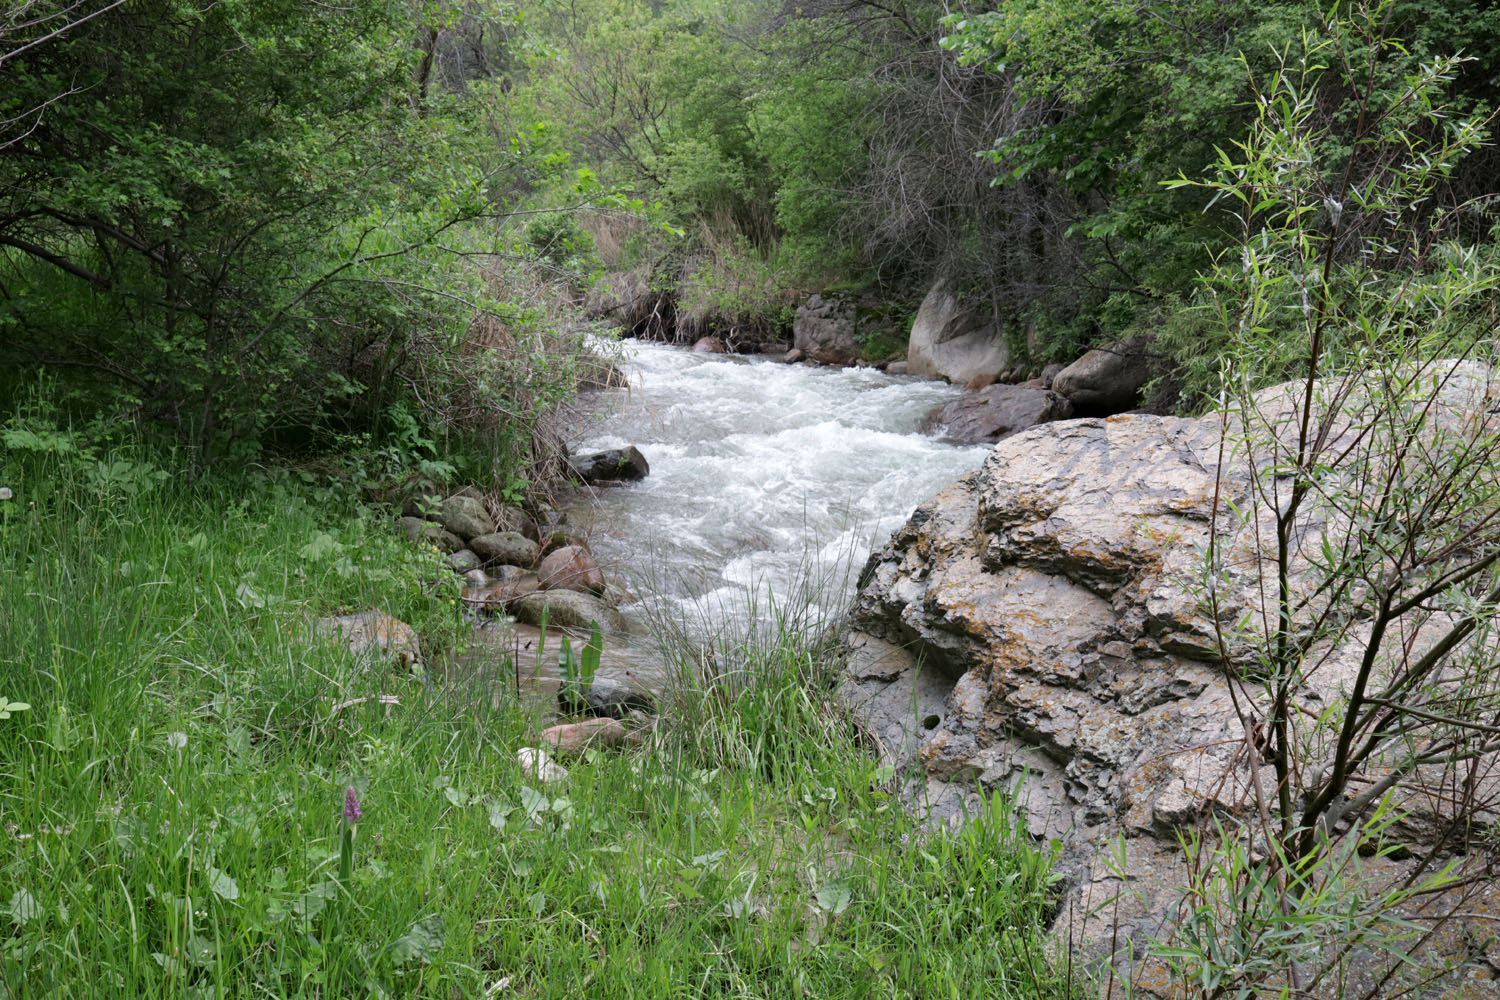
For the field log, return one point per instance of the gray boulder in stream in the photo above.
(509, 548)
(824, 330)
(568, 609)
(998, 411)
(611, 466)
(955, 341)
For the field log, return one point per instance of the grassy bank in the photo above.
(173, 796)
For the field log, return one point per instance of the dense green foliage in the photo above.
(255, 222)
(1025, 151)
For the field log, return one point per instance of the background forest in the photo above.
(270, 224)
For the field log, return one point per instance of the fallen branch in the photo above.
(384, 699)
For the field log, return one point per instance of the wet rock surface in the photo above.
(998, 411)
(568, 609)
(615, 465)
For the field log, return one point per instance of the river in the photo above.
(770, 484)
(765, 477)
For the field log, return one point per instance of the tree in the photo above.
(1355, 562)
(211, 215)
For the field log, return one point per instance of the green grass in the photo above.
(171, 801)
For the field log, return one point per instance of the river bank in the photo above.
(175, 786)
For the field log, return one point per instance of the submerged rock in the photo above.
(607, 466)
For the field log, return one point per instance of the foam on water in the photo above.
(764, 476)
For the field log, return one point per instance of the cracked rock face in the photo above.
(1032, 615)
(1039, 627)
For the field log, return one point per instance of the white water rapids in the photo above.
(766, 479)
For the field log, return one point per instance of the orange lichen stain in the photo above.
(379, 632)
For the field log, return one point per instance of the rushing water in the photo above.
(766, 478)
(770, 483)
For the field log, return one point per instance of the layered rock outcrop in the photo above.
(1039, 627)
(1033, 614)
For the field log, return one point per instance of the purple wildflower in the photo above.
(352, 811)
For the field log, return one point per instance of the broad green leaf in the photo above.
(222, 885)
(835, 896)
(420, 943)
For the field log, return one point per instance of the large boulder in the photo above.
(1040, 628)
(953, 340)
(1108, 380)
(466, 517)
(507, 548)
(998, 411)
(568, 609)
(823, 329)
(571, 568)
(614, 465)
